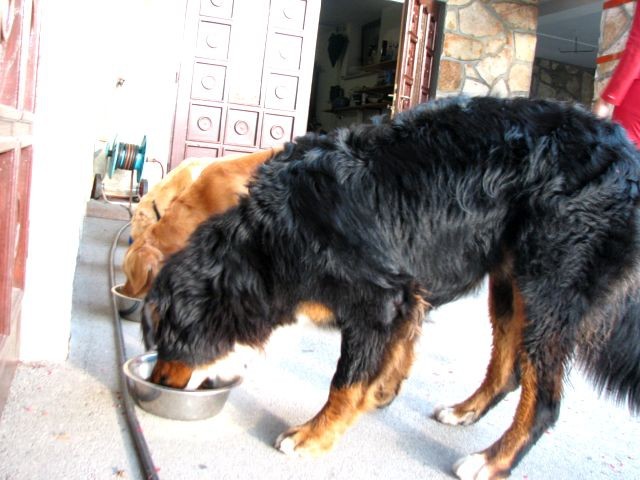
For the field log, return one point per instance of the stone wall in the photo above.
(488, 47)
(561, 81)
(614, 30)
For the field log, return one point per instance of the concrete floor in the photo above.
(65, 421)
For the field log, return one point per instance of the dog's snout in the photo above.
(174, 374)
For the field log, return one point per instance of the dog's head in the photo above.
(205, 304)
(141, 264)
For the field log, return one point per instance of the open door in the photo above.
(415, 61)
(18, 61)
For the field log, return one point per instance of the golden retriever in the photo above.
(154, 203)
(216, 189)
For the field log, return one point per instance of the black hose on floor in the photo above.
(142, 449)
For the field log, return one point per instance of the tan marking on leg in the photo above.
(319, 434)
(502, 454)
(345, 405)
(398, 358)
(171, 373)
(316, 312)
(496, 461)
(507, 340)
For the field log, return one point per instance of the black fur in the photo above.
(430, 201)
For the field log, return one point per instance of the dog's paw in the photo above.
(287, 445)
(448, 415)
(304, 442)
(473, 467)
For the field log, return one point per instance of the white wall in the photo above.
(85, 46)
(142, 47)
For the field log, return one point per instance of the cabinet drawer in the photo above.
(276, 129)
(283, 51)
(208, 82)
(242, 127)
(282, 92)
(204, 123)
(213, 40)
(200, 151)
(217, 8)
(288, 14)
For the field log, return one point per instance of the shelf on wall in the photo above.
(366, 106)
(379, 67)
(376, 89)
(371, 69)
(351, 76)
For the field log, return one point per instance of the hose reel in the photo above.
(126, 156)
(123, 156)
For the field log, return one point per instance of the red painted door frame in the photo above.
(416, 58)
(18, 64)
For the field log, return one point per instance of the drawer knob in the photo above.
(204, 123)
(277, 132)
(208, 82)
(281, 92)
(241, 127)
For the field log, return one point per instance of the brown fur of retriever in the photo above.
(162, 194)
(216, 189)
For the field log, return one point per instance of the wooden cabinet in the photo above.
(245, 75)
(18, 62)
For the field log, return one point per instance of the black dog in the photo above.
(373, 224)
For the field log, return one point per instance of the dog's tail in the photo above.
(609, 350)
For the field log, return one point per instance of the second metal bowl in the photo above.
(129, 308)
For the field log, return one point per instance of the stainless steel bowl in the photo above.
(174, 403)
(129, 308)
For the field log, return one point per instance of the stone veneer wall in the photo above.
(488, 47)
(614, 30)
(561, 81)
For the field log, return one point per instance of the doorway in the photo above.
(365, 49)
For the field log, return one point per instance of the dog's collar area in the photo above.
(155, 210)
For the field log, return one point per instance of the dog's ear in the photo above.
(157, 305)
(149, 321)
(141, 265)
(242, 295)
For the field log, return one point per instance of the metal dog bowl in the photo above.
(129, 308)
(174, 403)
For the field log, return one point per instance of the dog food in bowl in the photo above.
(174, 403)
(129, 308)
